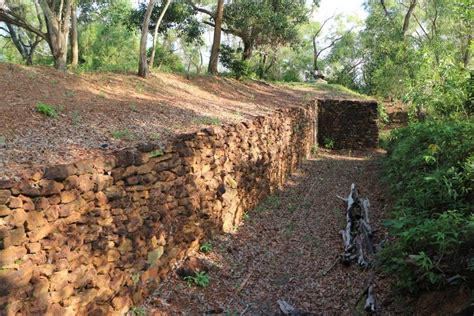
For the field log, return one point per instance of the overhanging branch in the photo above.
(10, 17)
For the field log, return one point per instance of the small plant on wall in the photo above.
(329, 143)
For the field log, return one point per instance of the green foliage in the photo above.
(199, 279)
(430, 169)
(138, 311)
(135, 278)
(206, 247)
(442, 90)
(266, 22)
(166, 60)
(314, 150)
(232, 60)
(179, 17)
(47, 110)
(156, 153)
(122, 134)
(208, 120)
(107, 42)
(328, 143)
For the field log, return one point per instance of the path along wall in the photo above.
(95, 237)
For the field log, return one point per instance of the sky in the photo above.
(345, 7)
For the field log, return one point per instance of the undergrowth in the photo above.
(430, 170)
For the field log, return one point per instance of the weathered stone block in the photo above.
(15, 237)
(59, 172)
(4, 210)
(5, 196)
(17, 217)
(50, 187)
(11, 254)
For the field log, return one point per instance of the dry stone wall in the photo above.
(95, 237)
(348, 123)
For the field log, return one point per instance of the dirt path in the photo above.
(285, 245)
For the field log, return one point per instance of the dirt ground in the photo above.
(100, 112)
(285, 246)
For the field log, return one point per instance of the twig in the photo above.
(245, 310)
(244, 282)
(336, 260)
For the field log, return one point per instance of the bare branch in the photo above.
(10, 17)
(422, 28)
(202, 10)
(334, 41)
(322, 26)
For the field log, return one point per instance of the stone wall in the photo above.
(94, 237)
(348, 123)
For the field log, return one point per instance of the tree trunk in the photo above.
(216, 43)
(316, 72)
(155, 33)
(74, 38)
(142, 63)
(248, 48)
(58, 31)
(15, 37)
(406, 21)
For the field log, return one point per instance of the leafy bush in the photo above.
(166, 60)
(206, 247)
(328, 143)
(46, 109)
(108, 43)
(231, 59)
(200, 279)
(430, 170)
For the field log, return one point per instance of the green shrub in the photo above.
(231, 59)
(328, 143)
(430, 170)
(46, 109)
(122, 134)
(200, 279)
(206, 247)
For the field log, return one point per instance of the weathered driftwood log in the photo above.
(370, 300)
(357, 234)
(357, 237)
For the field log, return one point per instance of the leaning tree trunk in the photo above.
(155, 33)
(142, 63)
(74, 38)
(216, 43)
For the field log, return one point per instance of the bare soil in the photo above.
(284, 247)
(100, 112)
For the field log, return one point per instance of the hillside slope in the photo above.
(99, 112)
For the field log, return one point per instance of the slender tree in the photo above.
(155, 33)
(216, 43)
(143, 70)
(74, 38)
(318, 51)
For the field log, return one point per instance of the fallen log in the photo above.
(357, 239)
